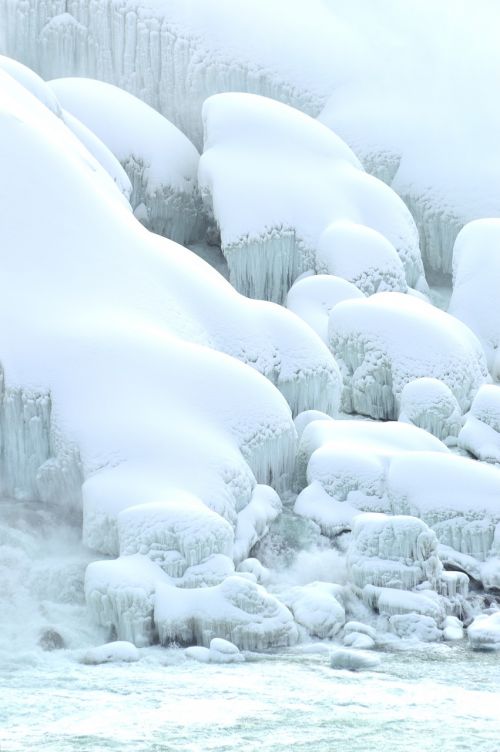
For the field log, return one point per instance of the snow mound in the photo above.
(480, 434)
(274, 179)
(317, 607)
(385, 341)
(160, 161)
(484, 632)
(392, 551)
(236, 610)
(30, 81)
(113, 652)
(361, 256)
(312, 298)
(430, 404)
(353, 660)
(253, 566)
(220, 651)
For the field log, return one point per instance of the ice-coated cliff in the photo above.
(275, 180)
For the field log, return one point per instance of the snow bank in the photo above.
(237, 610)
(274, 179)
(361, 256)
(385, 341)
(398, 551)
(480, 434)
(160, 161)
(312, 298)
(430, 404)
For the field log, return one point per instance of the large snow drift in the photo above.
(275, 179)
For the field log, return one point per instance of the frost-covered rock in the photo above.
(113, 652)
(385, 341)
(430, 404)
(398, 552)
(480, 434)
(415, 627)
(236, 610)
(274, 179)
(159, 159)
(476, 277)
(484, 632)
(361, 256)
(317, 607)
(353, 660)
(312, 298)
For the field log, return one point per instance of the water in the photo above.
(436, 698)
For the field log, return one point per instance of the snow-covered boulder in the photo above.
(392, 551)
(253, 566)
(430, 404)
(318, 607)
(476, 279)
(359, 439)
(361, 256)
(480, 434)
(457, 497)
(236, 610)
(313, 297)
(159, 159)
(316, 505)
(352, 659)
(253, 520)
(393, 601)
(220, 651)
(453, 629)
(415, 627)
(274, 179)
(484, 632)
(385, 341)
(176, 533)
(113, 652)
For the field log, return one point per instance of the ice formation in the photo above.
(318, 607)
(220, 651)
(361, 256)
(430, 404)
(161, 162)
(353, 660)
(275, 179)
(476, 278)
(414, 626)
(236, 610)
(313, 297)
(480, 434)
(392, 551)
(385, 341)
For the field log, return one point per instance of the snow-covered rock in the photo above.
(430, 404)
(317, 607)
(159, 159)
(415, 627)
(353, 660)
(113, 652)
(236, 610)
(359, 641)
(484, 632)
(275, 179)
(220, 651)
(385, 341)
(253, 566)
(332, 516)
(392, 551)
(312, 298)
(480, 434)
(453, 629)
(476, 277)
(253, 520)
(393, 601)
(361, 256)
